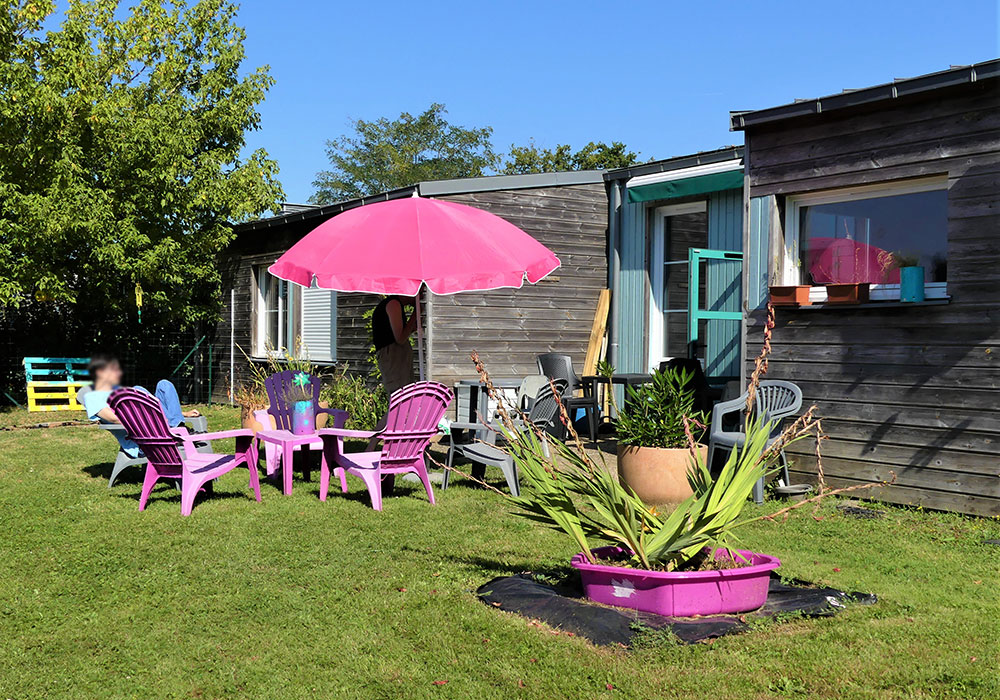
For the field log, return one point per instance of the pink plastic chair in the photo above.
(143, 418)
(414, 414)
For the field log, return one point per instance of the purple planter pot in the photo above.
(303, 418)
(677, 594)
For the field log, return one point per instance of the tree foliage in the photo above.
(121, 134)
(386, 154)
(594, 156)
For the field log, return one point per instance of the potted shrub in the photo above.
(789, 295)
(653, 449)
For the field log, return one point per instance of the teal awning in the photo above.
(686, 187)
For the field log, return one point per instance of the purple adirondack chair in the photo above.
(412, 420)
(277, 386)
(143, 418)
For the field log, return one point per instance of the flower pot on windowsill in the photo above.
(911, 283)
(790, 295)
(657, 475)
(847, 293)
(677, 593)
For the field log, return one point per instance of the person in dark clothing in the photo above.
(391, 331)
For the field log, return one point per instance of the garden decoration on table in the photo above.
(299, 396)
(251, 395)
(653, 437)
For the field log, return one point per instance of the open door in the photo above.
(695, 300)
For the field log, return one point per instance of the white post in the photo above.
(420, 337)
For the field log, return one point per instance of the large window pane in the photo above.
(868, 240)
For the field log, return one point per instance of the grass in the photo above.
(293, 598)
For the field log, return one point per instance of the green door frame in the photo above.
(696, 314)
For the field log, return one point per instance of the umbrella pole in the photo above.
(420, 338)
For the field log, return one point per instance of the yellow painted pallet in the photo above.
(54, 396)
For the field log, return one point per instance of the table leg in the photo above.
(286, 466)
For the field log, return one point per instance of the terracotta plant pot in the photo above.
(791, 295)
(673, 593)
(656, 475)
(850, 293)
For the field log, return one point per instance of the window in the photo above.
(302, 322)
(866, 234)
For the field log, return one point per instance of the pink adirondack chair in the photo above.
(143, 418)
(277, 385)
(412, 420)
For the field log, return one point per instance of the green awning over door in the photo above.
(687, 187)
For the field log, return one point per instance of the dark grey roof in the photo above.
(719, 155)
(431, 188)
(292, 207)
(901, 87)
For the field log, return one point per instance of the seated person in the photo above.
(105, 376)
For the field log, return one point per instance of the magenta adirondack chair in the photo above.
(277, 386)
(143, 418)
(412, 420)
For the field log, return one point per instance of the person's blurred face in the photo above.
(110, 374)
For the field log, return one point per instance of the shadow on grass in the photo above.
(131, 475)
(562, 576)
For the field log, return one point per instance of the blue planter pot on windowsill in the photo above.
(911, 283)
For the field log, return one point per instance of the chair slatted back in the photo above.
(414, 414)
(143, 418)
(545, 408)
(559, 366)
(278, 385)
(777, 399)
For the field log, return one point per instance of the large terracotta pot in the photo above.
(656, 475)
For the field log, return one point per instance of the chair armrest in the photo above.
(113, 428)
(341, 432)
(720, 410)
(339, 416)
(219, 435)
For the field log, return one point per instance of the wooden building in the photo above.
(909, 168)
(567, 212)
(675, 227)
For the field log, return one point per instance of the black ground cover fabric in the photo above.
(565, 608)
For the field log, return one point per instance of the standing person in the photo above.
(391, 331)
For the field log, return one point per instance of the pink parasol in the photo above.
(398, 246)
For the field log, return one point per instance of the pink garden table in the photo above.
(287, 441)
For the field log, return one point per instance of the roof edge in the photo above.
(959, 75)
(719, 155)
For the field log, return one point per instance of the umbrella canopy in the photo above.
(395, 247)
(398, 246)
(842, 260)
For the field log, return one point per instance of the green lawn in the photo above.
(293, 598)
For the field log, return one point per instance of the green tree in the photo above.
(386, 154)
(121, 133)
(593, 156)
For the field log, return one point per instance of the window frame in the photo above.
(791, 268)
(285, 315)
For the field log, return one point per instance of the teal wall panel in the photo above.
(632, 288)
(723, 284)
(756, 258)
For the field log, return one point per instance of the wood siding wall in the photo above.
(913, 391)
(510, 327)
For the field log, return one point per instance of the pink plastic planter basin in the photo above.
(677, 594)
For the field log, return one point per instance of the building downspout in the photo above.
(614, 269)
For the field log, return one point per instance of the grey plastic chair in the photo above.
(123, 460)
(526, 393)
(482, 449)
(559, 366)
(775, 400)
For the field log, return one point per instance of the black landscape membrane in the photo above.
(566, 609)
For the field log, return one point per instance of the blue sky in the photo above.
(660, 76)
